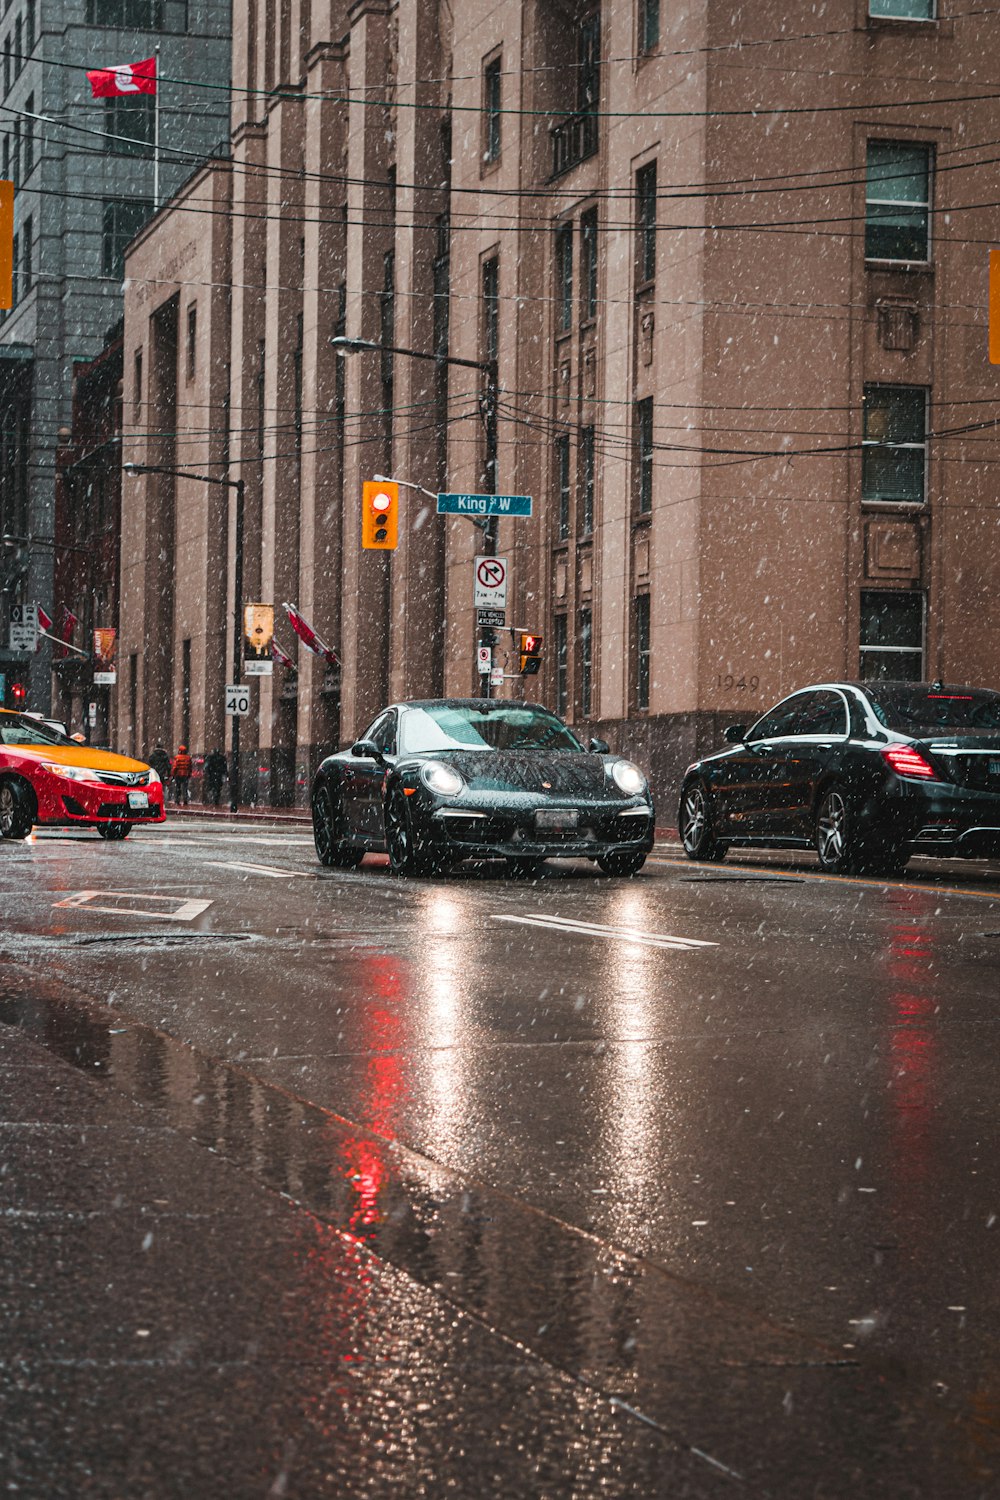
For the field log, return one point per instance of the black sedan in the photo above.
(867, 773)
(443, 780)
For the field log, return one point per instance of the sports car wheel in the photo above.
(399, 835)
(694, 820)
(114, 832)
(524, 868)
(330, 848)
(622, 861)
(16, 810)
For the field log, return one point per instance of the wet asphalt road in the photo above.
(673, 1186)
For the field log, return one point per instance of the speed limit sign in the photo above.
(237, 699)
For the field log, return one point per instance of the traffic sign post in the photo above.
(483, 505)
(237, 699)
(23, 627)
(490, 583)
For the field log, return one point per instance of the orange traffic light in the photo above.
(530, 649)
(380, 515)
(6, 243)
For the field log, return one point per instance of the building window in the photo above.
(18, 46)
(649, 24)
(894, 446)
(129, 126)
(564, 278)
(640, 636)
(561, 656)
(892, 635)
(562, 486)
(29, 136)
(586, 661)
(903, 10)
(137, 385)
(588, 265)
(27, 270)
(645, 224)
(586, 475)
(140, 15)
(192, 340)
(643, 460)
(897, 208)
(6, 65)
(15, 262)
(29, 26)
(491, 353)
(491, 110)
(123, 218)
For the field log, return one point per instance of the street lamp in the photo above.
(488, 368)
(237, 485)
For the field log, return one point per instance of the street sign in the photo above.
(495, 617)
(490, 586)
(262, 668)
(23, 627)
(483, 505)
(105, 679)
(237, 699)
(496, 677)
(484, 659)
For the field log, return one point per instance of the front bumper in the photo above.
(510, 831)
(63, 803)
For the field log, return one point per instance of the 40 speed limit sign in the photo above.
(237, 699)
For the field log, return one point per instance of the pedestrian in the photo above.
(181, 772)
(159, 761)
(214, 774)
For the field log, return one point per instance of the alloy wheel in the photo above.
(832, 830)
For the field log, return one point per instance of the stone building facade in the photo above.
(735, 281)
(84, 176)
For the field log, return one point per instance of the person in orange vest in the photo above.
(181, 772)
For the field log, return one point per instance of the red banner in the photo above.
(69, 624)
(279, 656)
(123, 79)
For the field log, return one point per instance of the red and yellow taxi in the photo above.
(49, 779)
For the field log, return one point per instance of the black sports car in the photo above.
(448, 779)
(866, 772)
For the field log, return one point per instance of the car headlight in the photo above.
(152, 777)
(627, 777)
(71, 773)
(442, 779)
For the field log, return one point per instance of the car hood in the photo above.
(82, 755)
(569, 774)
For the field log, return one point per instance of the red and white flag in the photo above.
(123, 79)
(44, 626)
(307, 635)
(279, 656)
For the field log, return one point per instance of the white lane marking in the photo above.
(246, 869)
(185, 908)
(595, 929)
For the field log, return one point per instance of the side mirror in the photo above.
(599, 747)
(367, 750)
(735, 734)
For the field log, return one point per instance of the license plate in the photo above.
(138, 799)
(556, 819)
(993, 767)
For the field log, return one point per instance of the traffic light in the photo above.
(17, 693)
(530, 647)
(380, 515)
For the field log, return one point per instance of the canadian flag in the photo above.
(124, 79)
(308, 636)
(44, 626)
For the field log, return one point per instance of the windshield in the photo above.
(18, 729)
(495, 726)
(920, 710)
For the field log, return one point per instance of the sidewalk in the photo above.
(252, 811)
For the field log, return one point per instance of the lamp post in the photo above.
(237, 486)
(489, 369)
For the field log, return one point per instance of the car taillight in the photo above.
(906, 761)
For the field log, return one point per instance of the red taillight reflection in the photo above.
(906, 761)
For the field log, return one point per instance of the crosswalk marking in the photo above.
(596, 929)
(232, 864)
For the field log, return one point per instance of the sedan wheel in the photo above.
(15, 810)
(694, 820)
(114, 832)
(836, 840)
(330, 848)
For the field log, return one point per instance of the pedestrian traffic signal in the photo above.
(18, 694)
(380, 515)
(530, 647)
